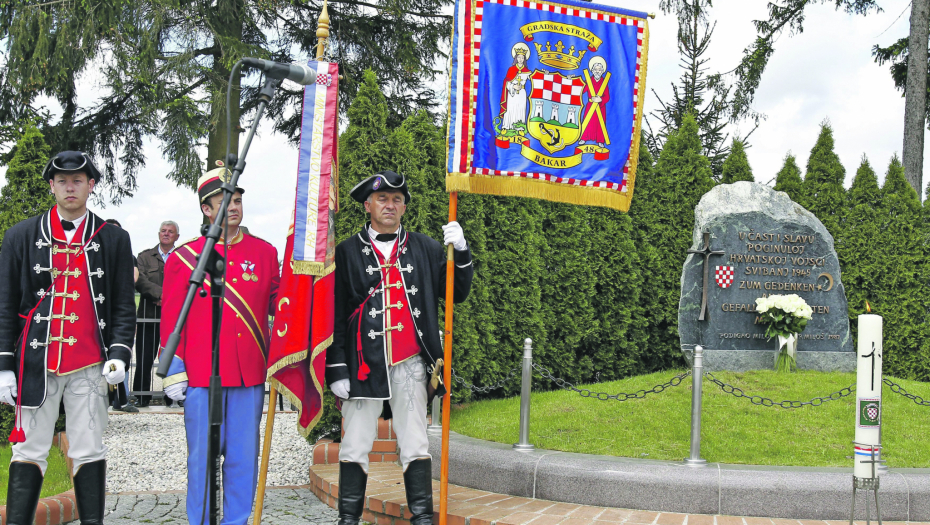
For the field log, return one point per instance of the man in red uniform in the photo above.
(251, 285)
(67, 318)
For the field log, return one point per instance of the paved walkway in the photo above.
(283, 505)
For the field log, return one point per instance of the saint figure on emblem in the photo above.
(513, 95)
(594, 127)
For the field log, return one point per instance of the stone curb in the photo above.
(668, 486)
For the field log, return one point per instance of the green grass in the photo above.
(56, 481)
(733, 430)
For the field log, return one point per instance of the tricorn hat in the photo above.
(209, 183)
(71, 162)
(383, 181)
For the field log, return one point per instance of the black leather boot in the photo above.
(90, 491)
(418, 482)
(352, 483)
(22, 493)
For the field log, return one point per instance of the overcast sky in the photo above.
(827, 72)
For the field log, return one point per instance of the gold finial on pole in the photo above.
(652, 15)
(322, 32)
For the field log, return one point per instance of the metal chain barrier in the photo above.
(766, 402)
(603, 396)
(898, 389)
(485, 389)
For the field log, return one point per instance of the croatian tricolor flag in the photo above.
(315, 166)
(303, 310)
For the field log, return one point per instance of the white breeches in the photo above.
(408, 405)
(85, 398)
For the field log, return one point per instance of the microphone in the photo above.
(302, 75)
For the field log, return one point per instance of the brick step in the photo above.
(325, 452)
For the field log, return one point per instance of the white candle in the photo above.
(868, 395)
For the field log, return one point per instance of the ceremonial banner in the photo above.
(303, 324)
(546, 100)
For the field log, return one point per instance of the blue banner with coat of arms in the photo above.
(546, 100)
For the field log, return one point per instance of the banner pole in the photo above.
(447, 370)
(322, 34)
(266, 453)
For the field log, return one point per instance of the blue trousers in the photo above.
(239, 445)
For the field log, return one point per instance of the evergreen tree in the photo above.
(665, 219)
(705, 96)
(900, 295)
(363, 151)
(824, 194)
(26, 193)
(859, 260)
(164, 69)
(789, 180)
(865, 189)
(736, 167)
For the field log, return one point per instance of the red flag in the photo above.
(303, 329)
(303, 324)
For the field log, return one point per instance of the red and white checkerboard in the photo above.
(724, 276)
(324, 79)
(558, 89)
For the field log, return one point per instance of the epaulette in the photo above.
(250, 234)
(187, 241)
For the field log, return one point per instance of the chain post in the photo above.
(524, 444)
(697, 379)
(435, 425)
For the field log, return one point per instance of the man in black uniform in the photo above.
(388, 284)
(67, 318)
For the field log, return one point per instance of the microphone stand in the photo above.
(214, 265)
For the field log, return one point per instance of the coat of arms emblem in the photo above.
(556, 105)
(724, 275)
(558, 109)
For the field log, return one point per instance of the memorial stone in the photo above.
(759, 242)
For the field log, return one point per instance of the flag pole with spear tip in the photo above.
(322, 34)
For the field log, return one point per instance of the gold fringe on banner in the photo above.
(317, 269)
(538, 189)
(292, 359)
(286, 392)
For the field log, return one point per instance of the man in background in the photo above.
(115, 401)
(151, 276)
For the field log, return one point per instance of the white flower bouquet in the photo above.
(785, 316)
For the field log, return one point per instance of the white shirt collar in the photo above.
(386, 248)
(77, 224)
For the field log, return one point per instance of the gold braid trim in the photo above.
(538, 189)
(173, 379)
(292, 359)
(316, 269)
(286, 392)
(638, 128)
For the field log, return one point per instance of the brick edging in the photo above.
(376, 510)
(58, 509)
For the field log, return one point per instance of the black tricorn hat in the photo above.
(383, 181)
(71, 162)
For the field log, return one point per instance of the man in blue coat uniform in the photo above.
(386, 338)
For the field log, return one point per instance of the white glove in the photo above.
(114, 377)
(177, 391)
(7, 387)
(340, 388)
(452, 234)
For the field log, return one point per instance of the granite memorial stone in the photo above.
(756, 242)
